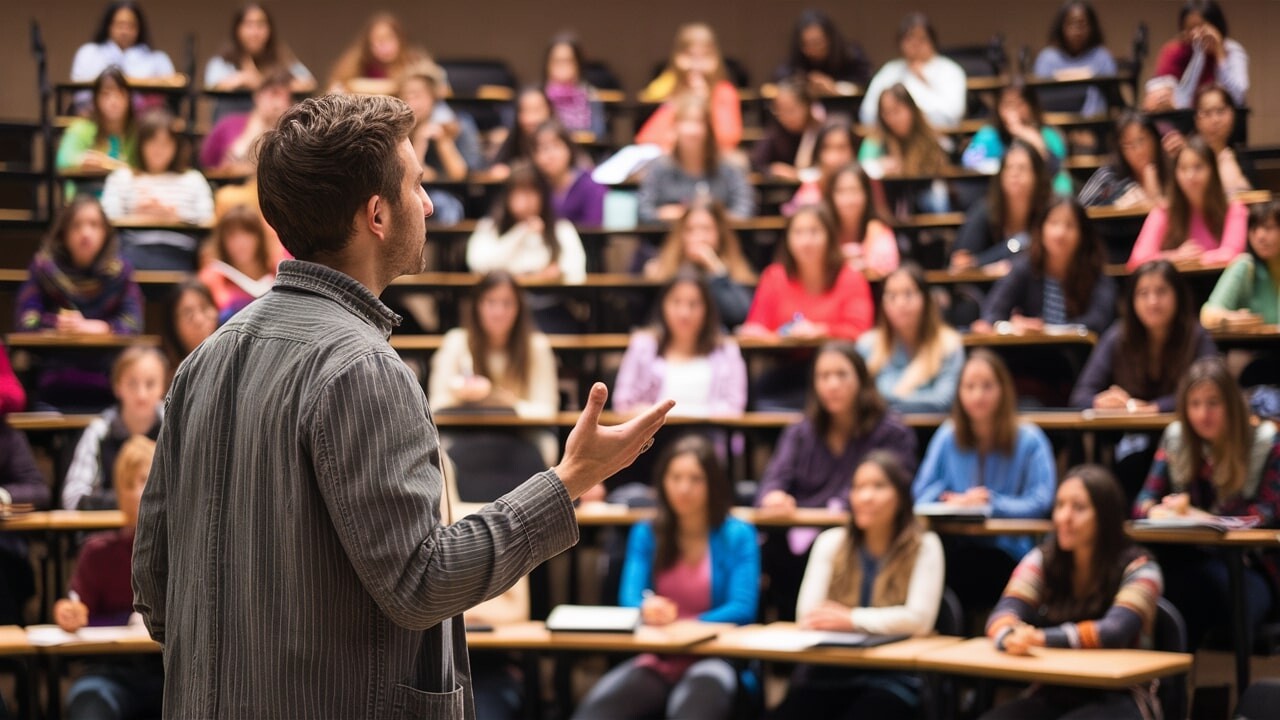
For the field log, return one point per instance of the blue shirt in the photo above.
(934, 396)
(1053, 59)
(1021, 484)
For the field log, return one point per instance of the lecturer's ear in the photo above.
(376, 216)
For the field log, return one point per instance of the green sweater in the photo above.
(1247, 284)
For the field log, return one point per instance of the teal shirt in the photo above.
(987, 146)
(1247, 284)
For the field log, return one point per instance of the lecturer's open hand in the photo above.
(594, 452)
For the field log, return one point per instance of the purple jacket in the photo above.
(805, 468)
(583, 203)
(643, 369)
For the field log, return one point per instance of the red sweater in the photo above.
(12, 397)
(103, 577)
(846, 309)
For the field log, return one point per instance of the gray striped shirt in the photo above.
(289, 553)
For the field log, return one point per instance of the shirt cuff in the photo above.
(543, 505)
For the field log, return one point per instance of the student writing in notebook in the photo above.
(880, 574)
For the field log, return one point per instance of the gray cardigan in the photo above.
(290, 554)
(665, 183)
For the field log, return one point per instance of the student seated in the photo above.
(695, 166)
(815, 458)
(1200, 54)
(21, 482)
(238, 269)
(1214, 460)
(1215, 123)
(1200, 226)
(375, 62)
(936, 83)
(822, 58)
(138, 380)
(576, 103)
(533, 109)
(868, 244)
(575, 196)
(881, 574)
(122, 41)
(694, 562)
(703, 241)
(78, 284)
(696, 70)
(1018, 115)
(1076, 49)
(1137, 173)
(122, 688)
(810, 291)
(833, 149)
(1086, 586)
(107, 139)
(913, 354)
(1248, 291)
(684, 357)
(902, 144)
(1060, 280)
(790, 139)
(162, 189)
(984, 456)
(523, 236)
(192, 317)
(252, 52)
(229, 146)
(999, 226)
(435, 143)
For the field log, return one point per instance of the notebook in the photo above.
(593, 618)
(939, 510)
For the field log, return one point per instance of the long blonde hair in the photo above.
(894, 579)
(934, 340)
(1229, 454)
(353, 61)
(687, 36)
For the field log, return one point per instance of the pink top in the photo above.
(846, 309)
(689, 587)
(878, 251)
(1217, 250)
(12, 397)
(726, 120)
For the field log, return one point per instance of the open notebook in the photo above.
(1220, 523)
(796, 640)
(593, 618)
(976, 513)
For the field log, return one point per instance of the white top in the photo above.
(941, 94)
(520, 251)
(188, 193)
(139, 61)
(541, 397)
(924, 592)
(218, 68)
(688, 382)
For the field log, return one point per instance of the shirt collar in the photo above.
(340, 288)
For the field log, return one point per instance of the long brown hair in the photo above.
(868, 409)
(1005, 422)
(999, 204)
(666, 527)
(274, 53)
(113, 75)
(152, 125)
(1136, 359)
(671, 255)
(1087, 263)
(1229, 454)
(54, 243)
(709, 335)
(1213, 205)
(241, 218)
(359, 55)
(920, 150)
(517, 348)
(525, 177)
(869, 211)
(891, 583)
(934, 339)
(833, 260)
(1112, 552)
(685, 105)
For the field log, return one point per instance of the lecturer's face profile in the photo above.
(407, 242)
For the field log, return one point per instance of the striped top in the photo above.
(1131, 615)
(290, 554)
(187, 193)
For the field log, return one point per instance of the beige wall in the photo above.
(629, 34)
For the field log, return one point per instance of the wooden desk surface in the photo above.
(991, 527)
(48, 422)
(678, 636)
(1108, 669)
(743, 642)
(13, 641)
(1254, 537)
(64, 521)
(57, 340)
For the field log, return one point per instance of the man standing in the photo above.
(289, 554)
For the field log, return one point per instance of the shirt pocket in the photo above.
(409, 703)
